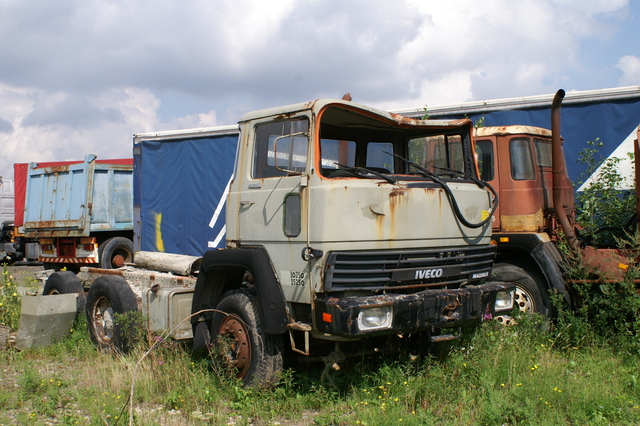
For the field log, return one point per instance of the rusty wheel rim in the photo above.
(238, 351)
(102, 320)
(118, 261)
(524, 300)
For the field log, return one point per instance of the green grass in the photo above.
(582, 370)
(493, 376)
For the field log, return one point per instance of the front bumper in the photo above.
(410, 312)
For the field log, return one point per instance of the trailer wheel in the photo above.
(62, 282)
(66, 282)
(255, 356)
(531, 293)
(109, 296)
(115, 252)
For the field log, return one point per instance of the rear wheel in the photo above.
(108, 297)
(62, 282)
(66, 282)
(531, 292)
(115, 252)
(255, 357)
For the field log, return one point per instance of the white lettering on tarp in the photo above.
(216, 214)
(422, 274)
(214, 243)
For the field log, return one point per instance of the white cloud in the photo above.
(61, 126)
(81, 77)
(54, 127)
(630, 67)
(275, 51)
(208, 119)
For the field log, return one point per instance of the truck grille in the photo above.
(386, 270)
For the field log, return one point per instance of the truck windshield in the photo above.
(353, 144)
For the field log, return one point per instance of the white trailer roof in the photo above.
(575, 97)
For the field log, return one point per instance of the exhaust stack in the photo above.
(559, 172)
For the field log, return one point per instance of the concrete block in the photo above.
(45, 319)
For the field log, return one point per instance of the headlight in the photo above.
(504, 301)
(375, 318)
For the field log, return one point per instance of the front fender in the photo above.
(550, 262)
(222, 270)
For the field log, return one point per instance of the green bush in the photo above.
(607, 312)
(603, 211)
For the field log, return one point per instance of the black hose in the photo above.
(452, 199)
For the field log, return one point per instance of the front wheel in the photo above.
(255, 357)
(531, 293)
(110, 296)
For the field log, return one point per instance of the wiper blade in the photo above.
(363, 171)
(425, 172)
(477, 181)
(451, 172)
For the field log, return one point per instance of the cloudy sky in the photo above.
(80, 77)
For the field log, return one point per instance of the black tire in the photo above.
(115, 252)
(255, 356)
(66, 282)
(108, 296)
(62, 282)
(531, 292)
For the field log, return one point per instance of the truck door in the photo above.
(273, 201)
(489, 171)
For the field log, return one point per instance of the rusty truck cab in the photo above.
(517, 162)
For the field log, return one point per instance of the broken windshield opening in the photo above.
(350, 140)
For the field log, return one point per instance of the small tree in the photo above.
(603, 210)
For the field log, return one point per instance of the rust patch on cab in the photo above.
(395, 192)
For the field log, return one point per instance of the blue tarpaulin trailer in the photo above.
(181, 181)
(612, 115)
(181, 177)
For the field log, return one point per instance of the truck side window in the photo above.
(377, 157)
(280, 148)
(543, 153)
(292, 215)
(484, 149)
(437, 152)
(456, 156)
(521, 159)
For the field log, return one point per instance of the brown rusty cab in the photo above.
(526, 166)
(523, 177)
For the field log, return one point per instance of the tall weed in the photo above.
(606, 312)
(9, 301)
